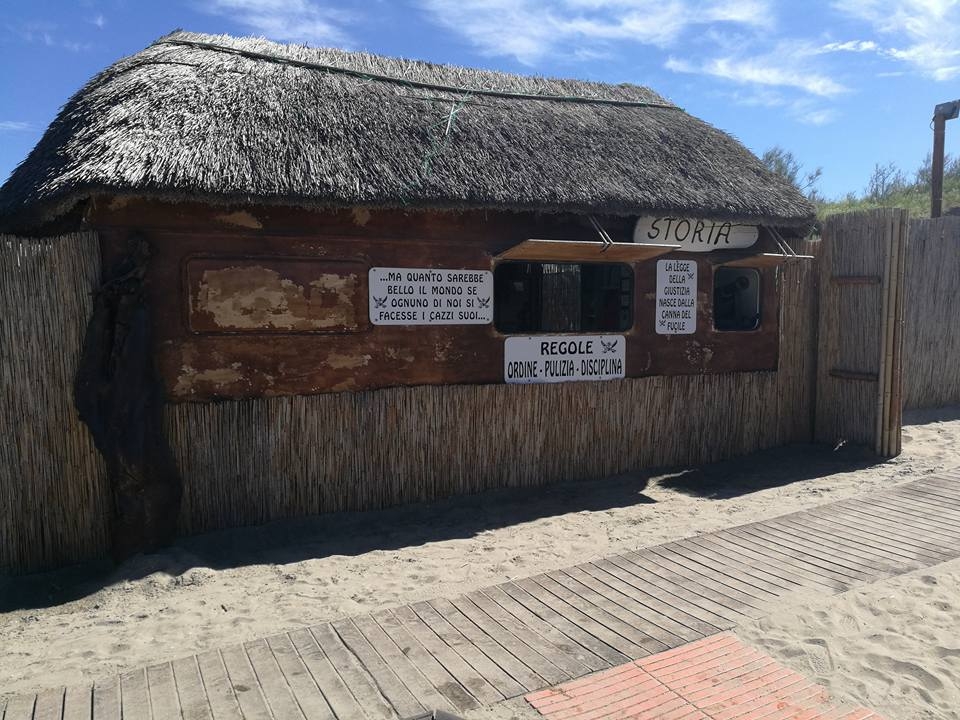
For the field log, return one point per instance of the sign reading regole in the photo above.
(563, 358)
(420, 296)
(676, 297)
(694, 235)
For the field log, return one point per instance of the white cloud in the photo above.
(530, 30)
(855, 46)
(923, 32)
(100, 21)
(14, 126)
(784, 67)
(286, 20)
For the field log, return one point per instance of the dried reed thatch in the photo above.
(252, 461)
(229, 119)
(861, 310)
(54, 498)
(932, 340)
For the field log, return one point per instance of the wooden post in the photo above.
(936, 176)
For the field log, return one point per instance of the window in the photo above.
(736, 299)
(534, 297)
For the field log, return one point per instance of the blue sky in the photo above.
(842, 84)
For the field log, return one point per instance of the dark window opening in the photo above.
(534, 297)
(736, 299)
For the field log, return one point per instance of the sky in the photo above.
(841, 84)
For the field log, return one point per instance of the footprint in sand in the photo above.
(819, 655)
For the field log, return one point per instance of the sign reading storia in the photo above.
(694, 235)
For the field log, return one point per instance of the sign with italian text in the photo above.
(676, 311)
(693, 235)
(563, 358)
(424, 296)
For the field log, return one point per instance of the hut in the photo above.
(250, 281)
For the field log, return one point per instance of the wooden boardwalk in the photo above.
(522, 636)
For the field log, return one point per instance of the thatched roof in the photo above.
(228, 120)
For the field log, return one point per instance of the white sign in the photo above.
(421, 296)
(694, 235)
(676, 297)
(563, 358)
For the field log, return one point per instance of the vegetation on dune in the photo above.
(888, 185)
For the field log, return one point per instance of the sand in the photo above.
(81, 624)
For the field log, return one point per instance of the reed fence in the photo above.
(932, 323)
(252, 461)
(54, 499)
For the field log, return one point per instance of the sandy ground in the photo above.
(893, 646)
(217, 589)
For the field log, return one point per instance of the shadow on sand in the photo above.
(350, 534)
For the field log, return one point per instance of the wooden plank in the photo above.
(354, 676)
(457, 696)
(532, 651)
(472, 680)
(941, 511)
(409, 673)
(842, 374)
(554, 595)
(135, 696)
(778, 545)
(249, 695)
(707, 574)
(216, 682)
(193, 699)
(674, 622)
(322, 672)
(578, 251)
(677, 612)
(790, 579)
(815, 551)
(297, 676)
(106, 699)
(904, 514)
(590, 592)
(20, 707)
(481, 663)
(566, 655)
(887, 529)
(774, 558)
(770, 586)
(163, 691)
(279, 697)
(49, 705)
(671, 593)
(547, 614)
(681, 586)
(856, 279)
(509, 663)
(866, 542)
(78, 703)
(851, 552)
(888, 512)
(871, 536)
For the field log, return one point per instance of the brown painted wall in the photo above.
(265, 301)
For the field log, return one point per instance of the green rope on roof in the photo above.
(269, 57)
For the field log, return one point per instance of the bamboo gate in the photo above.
(252, 461)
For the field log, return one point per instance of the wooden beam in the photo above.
(854, 375)
(583, 251)
(857, 279)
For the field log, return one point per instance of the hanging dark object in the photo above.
(119, 396)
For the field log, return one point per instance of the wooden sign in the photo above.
(563, 358)
(425, 296)
(676, 297)
(693, 235)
